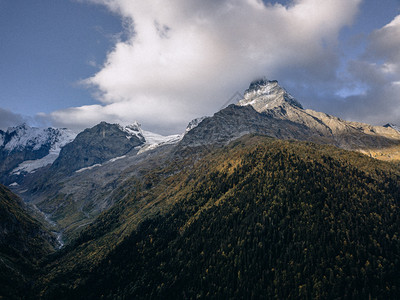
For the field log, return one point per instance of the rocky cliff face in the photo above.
(266, 94)
(267, 97)
(236, 121)
(97, 145)
(269, 109)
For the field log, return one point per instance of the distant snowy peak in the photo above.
(134, 130)
(266, 94)
(194, 123)
(150, 138)
(33, 138)
(154, 140)
(30, 148)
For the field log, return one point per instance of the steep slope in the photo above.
(23, 243)
(268, 98)
(236, 121)
(25, 149)
(257, 218)
(269, 109)
(81, 183)
(95, 146)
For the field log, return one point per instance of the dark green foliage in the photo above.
(23, 243)
(259, 219)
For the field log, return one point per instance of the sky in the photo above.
(75, 63)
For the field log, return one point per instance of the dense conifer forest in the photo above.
(23, 243)
(259, 218)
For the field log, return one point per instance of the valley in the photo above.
(262, 199)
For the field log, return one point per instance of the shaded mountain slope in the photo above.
(81, 182)
(94, 146)
(257, 218)
(23, 243)
(269, 98)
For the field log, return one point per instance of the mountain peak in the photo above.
(20, 128)
(134, 130)
(264, 94)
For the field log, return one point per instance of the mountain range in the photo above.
(262, 198)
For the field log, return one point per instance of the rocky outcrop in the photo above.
(269, 109)
(95, 146)
(236, 121)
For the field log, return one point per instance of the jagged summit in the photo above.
(24, 136)
(269, 109)
(97, 145)
(264, 94)
(134, 130)
(26, 149)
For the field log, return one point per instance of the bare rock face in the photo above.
(267, 97)
(266, 94)
(269, 109)
(95, 146)
(236, 121)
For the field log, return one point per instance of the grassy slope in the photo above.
(258, 217)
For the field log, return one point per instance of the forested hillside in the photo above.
(259, 218)
(23, 243)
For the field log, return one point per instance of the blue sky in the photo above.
(46, 48)
(76, 63)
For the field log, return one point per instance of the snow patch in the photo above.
(25, 136)
(117, 158)
(154, 140)
(30, 166)
(194, 123)
(88, 168)
(134, 130)
(13, 184)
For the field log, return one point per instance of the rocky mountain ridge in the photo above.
(21, 145)
(269, 109)
(144, 215)
(96, 145)
(82, 181)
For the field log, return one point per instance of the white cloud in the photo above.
(185, 58)
(378, 69)
(10, 119)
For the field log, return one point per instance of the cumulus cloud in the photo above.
(10, 119)
(378, 72)
(185, 58)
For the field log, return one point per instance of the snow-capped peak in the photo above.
(266, 94)
(194, 123)
(134, 129)
(26, 138)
